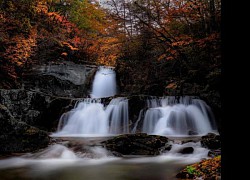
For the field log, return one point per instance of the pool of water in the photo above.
(60, 162)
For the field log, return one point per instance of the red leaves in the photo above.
(206, 169)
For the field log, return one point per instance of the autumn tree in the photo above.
(186, 32)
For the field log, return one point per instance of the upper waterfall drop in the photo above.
(104, 84)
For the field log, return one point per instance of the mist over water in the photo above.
(59, 161)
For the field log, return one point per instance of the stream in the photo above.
(58, 161)
(90, 122)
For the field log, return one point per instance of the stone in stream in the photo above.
(214, 153)
(136, 144)
(211, 141)
(187, 150)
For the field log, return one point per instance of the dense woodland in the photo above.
(159, 47)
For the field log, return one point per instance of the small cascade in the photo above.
(117, 112)
(88, 117)
(104, 84)
(91, 118)
(184, 116)
(164, 116)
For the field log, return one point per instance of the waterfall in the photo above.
(104, 84)
(170, 115)
(184, 116)
(91, 118)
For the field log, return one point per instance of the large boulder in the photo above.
(136, 144)
(17, 136)
(187, 150)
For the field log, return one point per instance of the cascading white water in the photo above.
(91, 118)
(165, 116)
(104, 84)
(117, 112)
(185, 116)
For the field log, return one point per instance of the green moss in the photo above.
(192, 170)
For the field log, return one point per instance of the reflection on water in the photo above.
(60, 162)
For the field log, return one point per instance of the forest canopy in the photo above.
(166, 40)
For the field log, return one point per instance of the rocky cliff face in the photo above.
(17, 136)
(34, 108)
(26, 117)
(28, 114)
(65, 79)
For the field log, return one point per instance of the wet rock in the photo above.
(184, 175)
(191, 140)
(136, 144)
(211, 141)
(136, 104)
(64, 79)
(27, 116)
(168, 147)
(34, 108)
(17, 136)
(214, 153)
(187, 150)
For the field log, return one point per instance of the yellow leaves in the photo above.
(108, 50)
(70, 46)
(19, 49)
(171, 86)
(41, 8)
